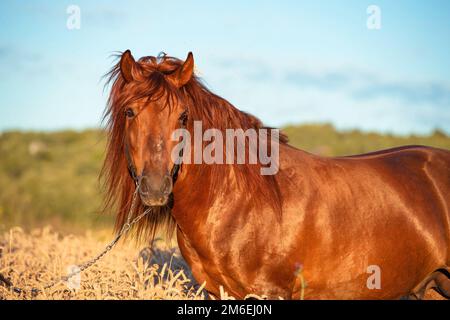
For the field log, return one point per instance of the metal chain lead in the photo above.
(125, 228)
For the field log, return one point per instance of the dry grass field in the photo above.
(36, 258)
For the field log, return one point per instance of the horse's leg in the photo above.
(439, 280)
(420, 292)
(442, 283)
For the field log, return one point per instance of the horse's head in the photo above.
(150, 99)
(152, 107)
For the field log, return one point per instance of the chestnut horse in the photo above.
(371, 226)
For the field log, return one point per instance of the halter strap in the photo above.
(176, 167)
(131, 167)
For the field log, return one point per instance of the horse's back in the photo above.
(409, 150)
(427, 169)
(431, 164)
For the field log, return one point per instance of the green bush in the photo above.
(52, 177)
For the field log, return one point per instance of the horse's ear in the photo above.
(127, 64)
(183, 74)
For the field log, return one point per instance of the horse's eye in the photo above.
(129, 113)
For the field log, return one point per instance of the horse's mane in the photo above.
(203, 105)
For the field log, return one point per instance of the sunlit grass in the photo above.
(31, 260)
(34, 259)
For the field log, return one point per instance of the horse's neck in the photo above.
(197, 190)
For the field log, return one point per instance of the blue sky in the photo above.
(290, 62)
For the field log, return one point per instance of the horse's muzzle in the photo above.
(155, 192)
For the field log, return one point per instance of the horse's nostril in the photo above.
(161, 189)
(143, 185)
(166, 187)
(155, 191)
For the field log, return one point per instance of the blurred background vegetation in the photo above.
(53, 177)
